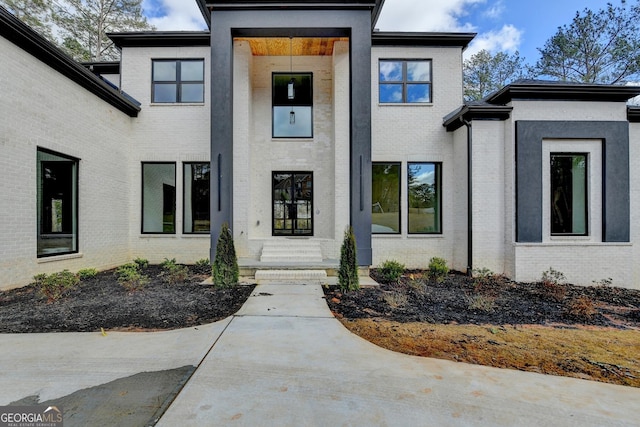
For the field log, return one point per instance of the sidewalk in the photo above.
(283, 360)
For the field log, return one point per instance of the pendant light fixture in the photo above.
(291, 92)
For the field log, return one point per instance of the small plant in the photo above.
(87, 273)
(581, 307)
(482, 303)
(55, 285)
(417, 283)
(395, 299)
(348, 272)
(603, 282)
(130, 277)
(482, 277)
(174, 272)
(552, 284)
(141, 263)
(438, 268)
(204, 262)
(225, 266)
(391, 271)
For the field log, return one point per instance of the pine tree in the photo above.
(348, 272)
(225, 265)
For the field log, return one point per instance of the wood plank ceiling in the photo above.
(283, 46)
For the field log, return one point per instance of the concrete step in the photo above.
(291, 250)
(290, 275)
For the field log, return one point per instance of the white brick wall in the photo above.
(414, 133)
(42, 108)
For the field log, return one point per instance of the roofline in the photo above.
(40, 48)
(633, 113)
(160, 38)
(102, 67)
(388, 38)
(563, 91)
(206, 6)
(468, 112)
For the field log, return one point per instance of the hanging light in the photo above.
(291, 92)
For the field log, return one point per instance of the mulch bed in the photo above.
(102, 302)
(416, 298)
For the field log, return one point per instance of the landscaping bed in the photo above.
(165, 301)
(548, 327)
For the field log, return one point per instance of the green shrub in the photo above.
(204, 262)
(438, 268)
(391, 271)
(141, 262)
(55, 285)
(225, 266)
(130, 277)
(482, 277)
(174, 272)
(348, 272)
(87, 273)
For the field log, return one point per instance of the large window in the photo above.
(292, 105)
(385, 193)
(404, 81)
(569, 201)
(424, 193)
(57, 203)
(158, 198)
(196, 197)
(178, 81)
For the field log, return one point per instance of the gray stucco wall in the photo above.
(615, 182)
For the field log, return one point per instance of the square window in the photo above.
(159, 198)
(385, 197)
(424, 198)
(292, 105)
(176, 81)
(404, 81)
(57, 197)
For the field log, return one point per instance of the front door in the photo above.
(292, 203)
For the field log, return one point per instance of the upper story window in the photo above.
(292, 105)
(404, 81)
(176, 81)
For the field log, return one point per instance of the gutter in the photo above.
(469, 197)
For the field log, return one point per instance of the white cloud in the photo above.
(180, 15)
(495, 10)
(425, 15)
(506, 39)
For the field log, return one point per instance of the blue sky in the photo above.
(502, 25)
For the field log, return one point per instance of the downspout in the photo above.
(469, 198)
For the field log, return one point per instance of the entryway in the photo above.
(292, 203)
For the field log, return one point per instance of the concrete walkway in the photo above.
(283, 360)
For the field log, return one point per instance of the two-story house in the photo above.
(291, 121)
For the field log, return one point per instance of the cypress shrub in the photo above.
(225, 265)
(348, 272)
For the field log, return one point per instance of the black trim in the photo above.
(470, 112)
(633, 113)
(98, 68)
(587, 157)
(28, 40)
(175, 183)
(184, 196)
(160, 39)
(394, 233)
(387, 38)
(178, 82)
(293, 233)
(438, 183)
(549, 90)
(405, 82)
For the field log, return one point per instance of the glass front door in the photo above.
(292, 203)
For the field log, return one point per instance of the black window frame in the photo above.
(142, 194)
(405, 82)
(310, 198)
(184, 197)
(75, 231)
(178, 81)
(300, 101)
(399, 200)
(438, 188)
(587, 231)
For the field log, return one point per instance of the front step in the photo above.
(290, 275)
(288, 251)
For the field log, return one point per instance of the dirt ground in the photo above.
(102, 302)
(552, 328)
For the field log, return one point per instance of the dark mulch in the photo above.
(101, 302)
(418, 299)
